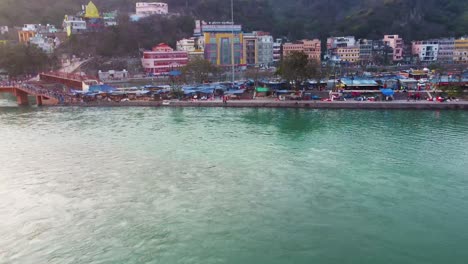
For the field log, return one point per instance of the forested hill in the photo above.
(414, 19)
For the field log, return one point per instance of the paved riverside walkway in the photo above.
(418, 105)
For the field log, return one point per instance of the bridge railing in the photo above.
(69, 76)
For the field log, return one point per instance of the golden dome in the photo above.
(91, 11)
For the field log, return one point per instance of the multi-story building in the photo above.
(397, 44)
(348, 54)
(346, 45)
(250, 49)
(186, 44)
(45, 43)
(446, 48)
(74, 25)
(277, 50)
(25, 36)
(427, 50)
(264, 49)
(192, 46)
(460, 53)
(148, 9)
(163, 59)
(340, 42)
(365, 50)
(312, 48)
(219, 40)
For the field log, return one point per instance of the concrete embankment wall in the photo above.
(421, 105)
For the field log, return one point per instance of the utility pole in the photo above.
(232, 43)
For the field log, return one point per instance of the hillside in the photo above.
(416, 19)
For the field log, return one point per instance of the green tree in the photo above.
(297, 68)
(20, 60)
(199, 70)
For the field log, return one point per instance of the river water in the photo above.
(160, 185)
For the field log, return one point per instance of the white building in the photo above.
(277, 50)
(3, 29)
(147, 9)
(74, 25)
(186, 45)
(264, 49)
(341, 42)
(31, 27)
(45, 43)
(427, 51)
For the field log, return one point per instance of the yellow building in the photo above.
(348, 54)
(218, 48)
(460, 53)
(91, 11)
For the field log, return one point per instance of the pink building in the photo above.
(312, 48)
(163, 59)
(397, 44)
(148, 9)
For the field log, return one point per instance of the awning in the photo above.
(262, 89)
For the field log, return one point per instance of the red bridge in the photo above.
(22, 91)
(71, 80)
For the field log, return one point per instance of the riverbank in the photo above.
(418, 105)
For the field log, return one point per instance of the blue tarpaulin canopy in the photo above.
(387, 92)
(283, 91)
(235, 92)
(103, 88)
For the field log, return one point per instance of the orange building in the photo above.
(313, 48)
(25, 35)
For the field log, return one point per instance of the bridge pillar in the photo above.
(39, 100)
(21, 97)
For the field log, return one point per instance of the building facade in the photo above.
(348, 54)
(264, 49)
(426, 51)
(163, 59)
(74, 25)
(3, 30)
(148, 9)
(446, 49)
(312, 48)
(397, 44)
(460, 52)
(365, 50)
(186, 45)
(277, 50)
(219, 39)
(250, 49)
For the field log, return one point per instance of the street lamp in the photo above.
(232, 44)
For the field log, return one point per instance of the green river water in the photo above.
(195, 185)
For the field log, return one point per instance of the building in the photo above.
(25, 36)
(110, 18)
(426, 51)
(113, 75)
(45, 43)
(340, 42)
(264, 49)
(334, 43)
(148, 9)
(163, 59)
(187, 45)
(191, 46)
(397, 44)
(94, 21)
(460, 52)
(277, 50)
(312, 48)
(446, 49)
(348, 54)
(3, 30)
(365, 50)
(250, 49)
(219, 40)
(74, 25)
